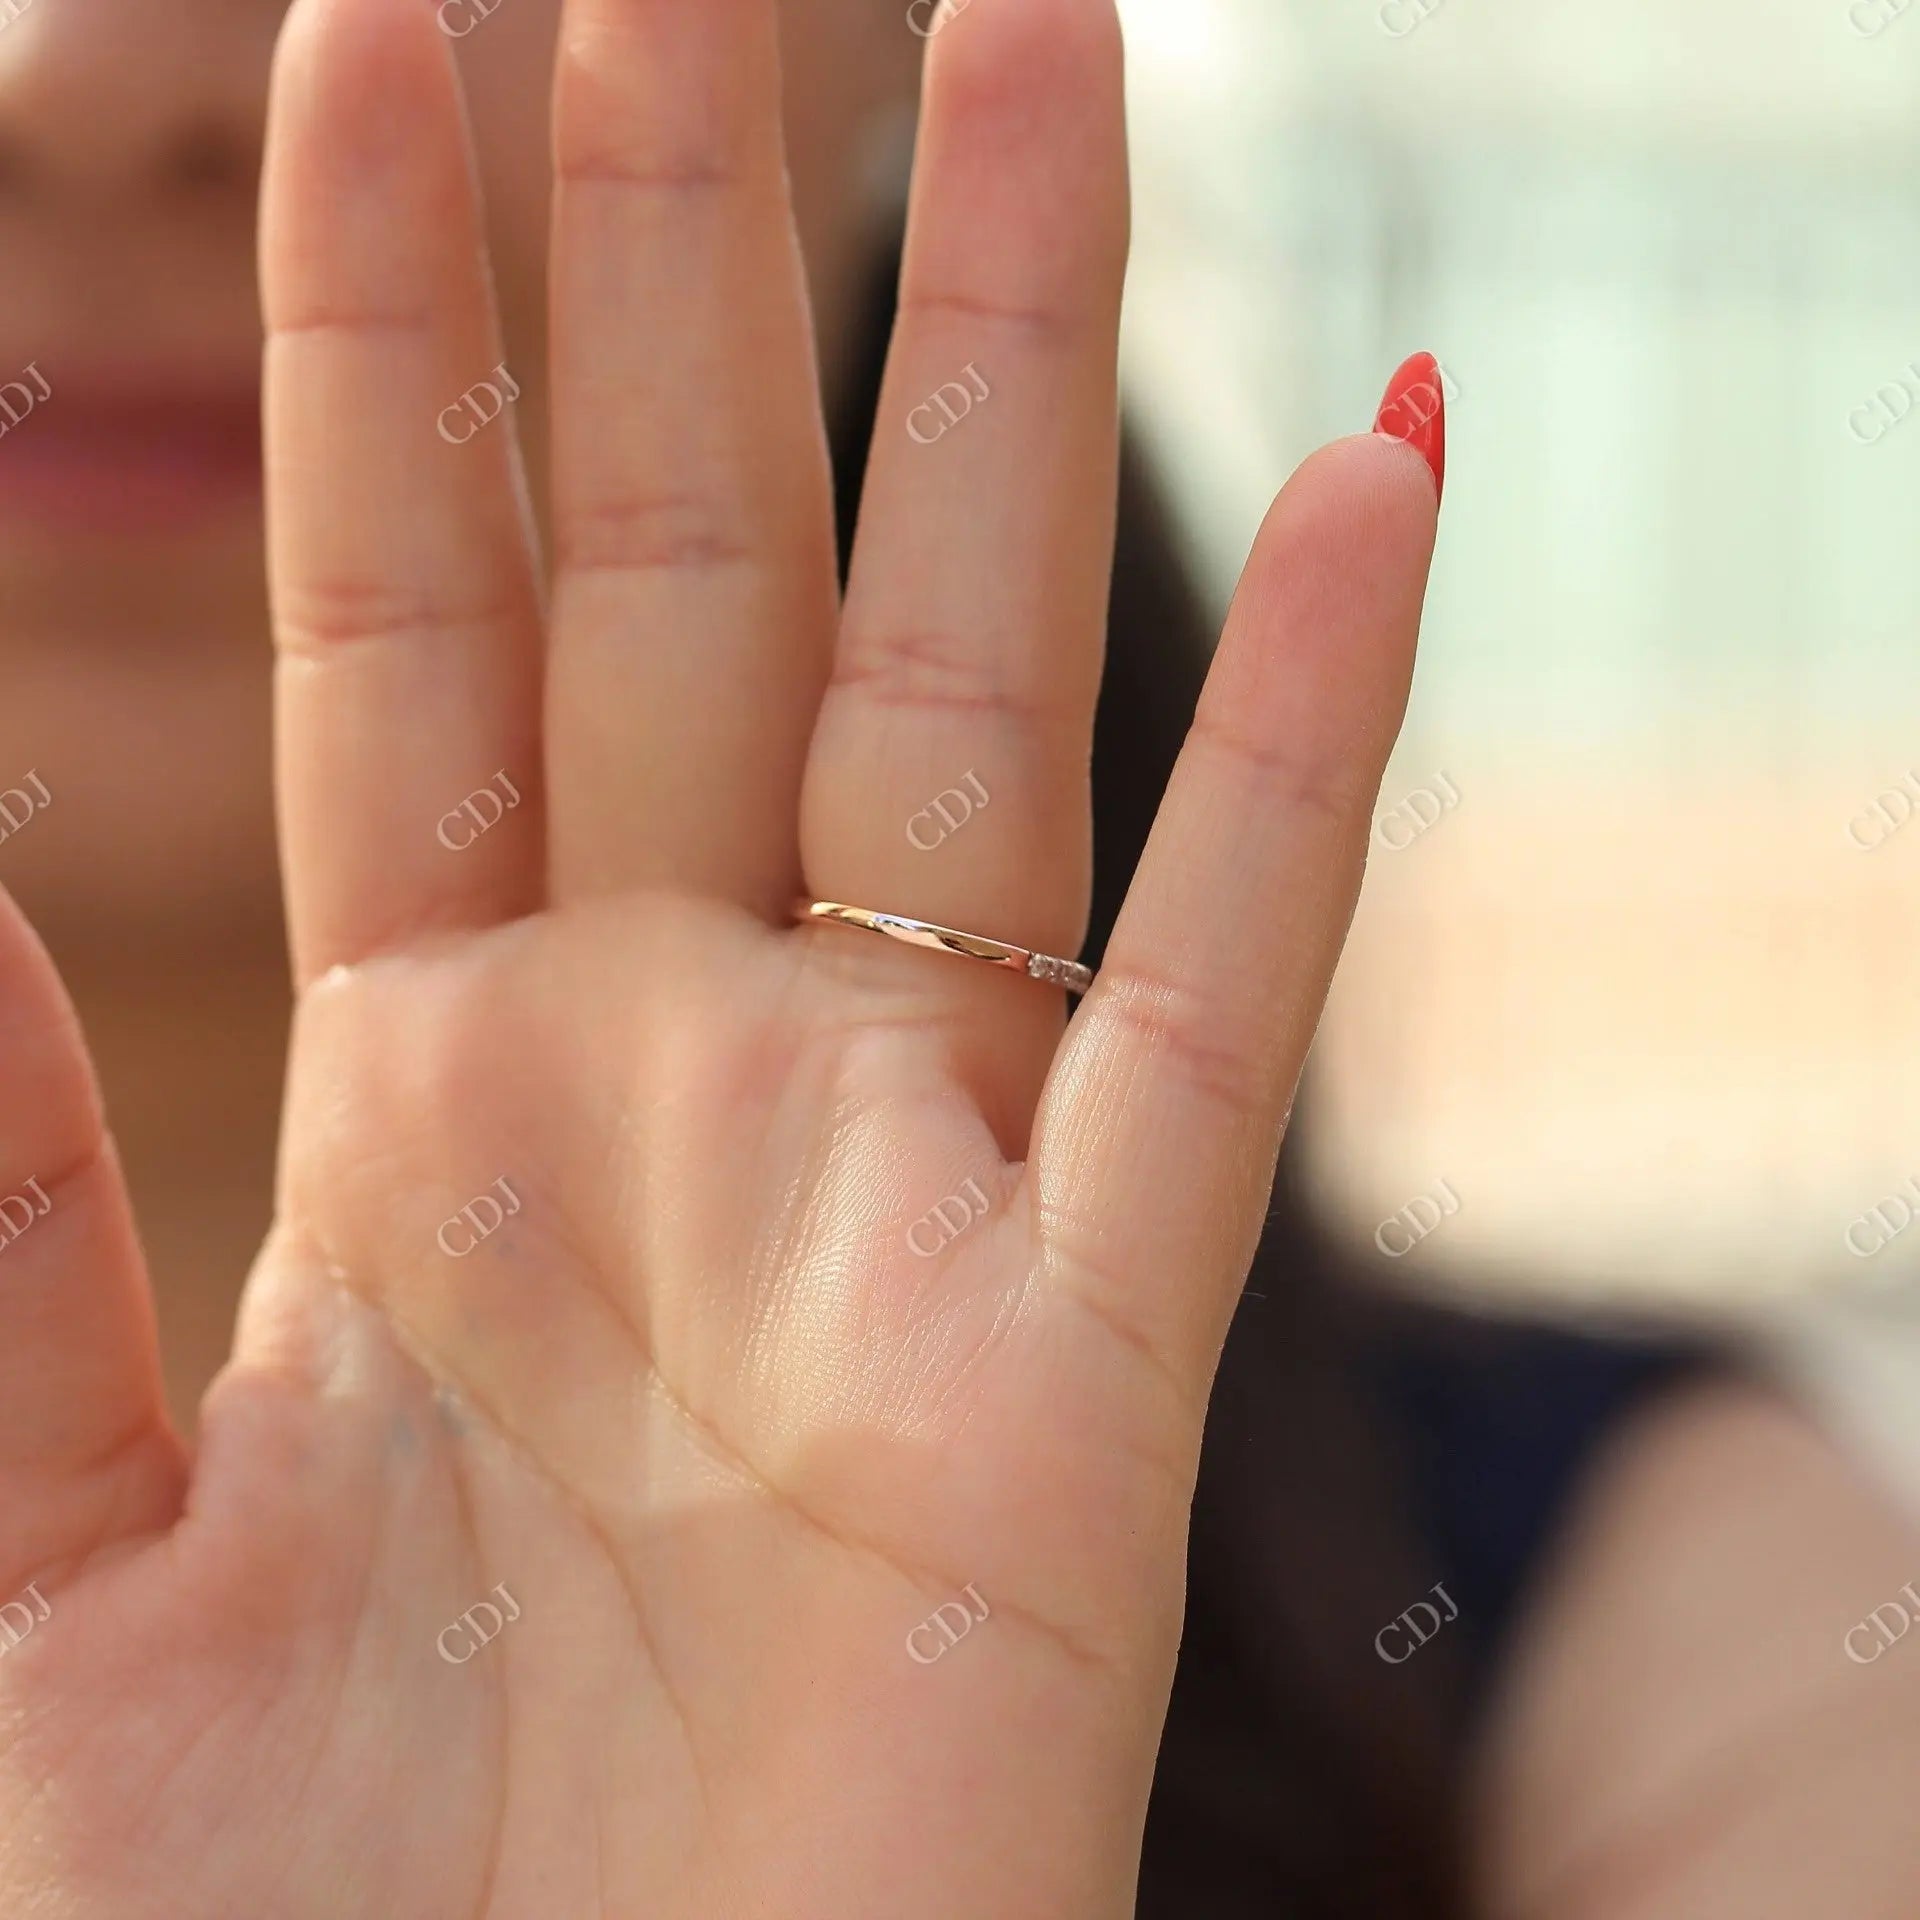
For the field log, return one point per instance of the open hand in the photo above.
(606, 1419)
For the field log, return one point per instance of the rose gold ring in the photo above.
(969, 946)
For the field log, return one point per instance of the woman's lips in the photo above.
(115, 458)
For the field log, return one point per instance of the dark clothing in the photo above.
(1357, 1457)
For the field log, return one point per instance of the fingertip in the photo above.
(1362, 508)
(1024, 115)
(1320, 642)
(358, 73)
(1414, 411)
(1032, 55)
(367, 180)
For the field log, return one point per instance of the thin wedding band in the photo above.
(969, 946)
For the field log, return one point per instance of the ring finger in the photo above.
(949, 771)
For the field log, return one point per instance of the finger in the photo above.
(406, 603)
(695, 590)
(950, 769)
(1155, 1144)
(86, 1452)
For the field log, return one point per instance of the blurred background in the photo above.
(1636, 977)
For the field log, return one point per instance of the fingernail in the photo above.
(1415, 410)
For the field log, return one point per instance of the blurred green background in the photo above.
(1648, 994)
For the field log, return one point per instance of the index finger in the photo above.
(407, 617)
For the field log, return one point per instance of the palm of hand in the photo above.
(597, 1540)
(710, 1462)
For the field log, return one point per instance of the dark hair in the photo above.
(1298, 1774)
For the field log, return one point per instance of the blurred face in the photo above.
(132, 596)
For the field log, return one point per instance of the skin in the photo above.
(698, 1412)
(136, 664)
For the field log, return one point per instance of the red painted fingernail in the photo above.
(1415, 410)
